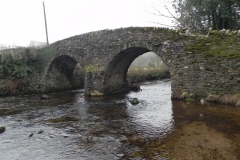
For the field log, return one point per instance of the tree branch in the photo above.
(164, 24)
(160, 14)
(170, 15)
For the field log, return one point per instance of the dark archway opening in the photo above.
(64, 73)
(115, 79)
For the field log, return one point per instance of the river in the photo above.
(70, 126)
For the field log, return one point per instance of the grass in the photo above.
(229, 99)
(140, 74)
(222, 46)
(190, 99)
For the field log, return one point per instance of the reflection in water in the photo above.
(76, 127)
(154, 114)
(82, 110)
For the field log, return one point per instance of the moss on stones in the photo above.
(134, 101)
(215, 45)
(190, 99)
(94, 93)
(184, 95)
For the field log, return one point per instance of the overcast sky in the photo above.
(23, 20)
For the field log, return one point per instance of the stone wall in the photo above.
(203, 76)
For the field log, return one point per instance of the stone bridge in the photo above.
(105, 56)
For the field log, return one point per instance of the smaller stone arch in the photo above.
(60, 74)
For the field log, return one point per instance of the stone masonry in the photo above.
(106, 55)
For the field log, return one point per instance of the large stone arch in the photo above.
(115, 74)
(113, 77)
(60, 73)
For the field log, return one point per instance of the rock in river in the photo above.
(134, 101)
(31, 135)
(43, 97)
(2, 129)
(40, 131)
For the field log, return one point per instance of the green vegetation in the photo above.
(7, 112)
(216, 45)
(17, 66)
(187, 97)
(230, 99)
(201, 15)
(134, 101)
(190, 99)
(92, 68)
(21, 62)
(14, 65)
(138, 74)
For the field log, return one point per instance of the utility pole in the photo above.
(45, 23)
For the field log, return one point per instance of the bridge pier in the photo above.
(93, 83)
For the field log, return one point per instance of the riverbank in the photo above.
(228, 99)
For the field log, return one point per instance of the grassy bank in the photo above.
(140, 74)
(228, 99)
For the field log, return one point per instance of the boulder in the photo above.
(134, 87)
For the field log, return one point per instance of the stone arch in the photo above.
(60, 73)
(116, 71)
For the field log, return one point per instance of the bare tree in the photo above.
(165, 10)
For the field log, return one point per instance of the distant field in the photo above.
(141, 74)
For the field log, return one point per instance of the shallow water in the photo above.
(76, 127)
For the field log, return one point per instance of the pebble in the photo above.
(31, 135)
(40, 131)
(52, 136)
(65, 135)
(119, 155)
